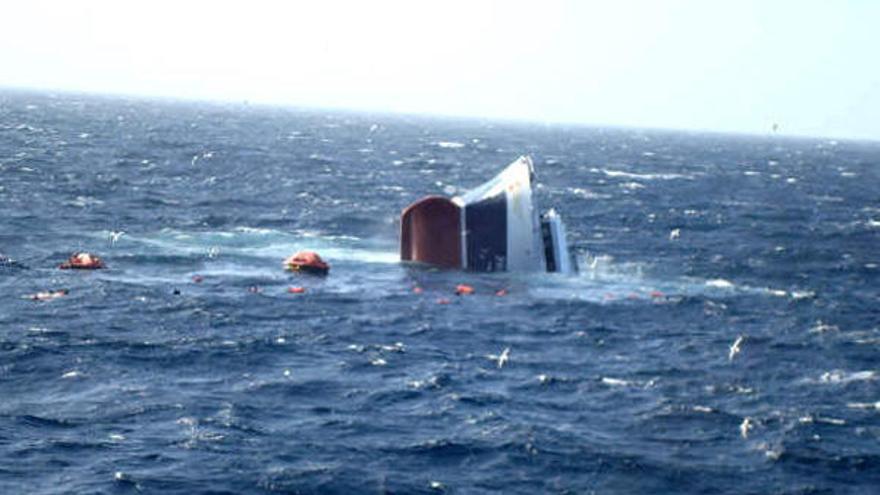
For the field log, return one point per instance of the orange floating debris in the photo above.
(417, 290)
(82, 261)
(464, 290)
(296, 290)
(307, 262)
(656, 293)
(501, 292)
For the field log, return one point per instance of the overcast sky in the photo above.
(810, 66)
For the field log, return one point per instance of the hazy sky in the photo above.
(811, 66)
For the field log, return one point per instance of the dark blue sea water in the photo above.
(622, 379)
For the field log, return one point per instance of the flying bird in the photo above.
(502, 359)
(115, 235)
(735, 348)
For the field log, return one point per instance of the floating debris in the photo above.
(463, 290)
(47, 295)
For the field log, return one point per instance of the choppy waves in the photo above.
(721, 335)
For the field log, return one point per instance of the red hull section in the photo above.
(430, 232)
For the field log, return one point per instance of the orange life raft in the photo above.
(307, 262)
(83, 261)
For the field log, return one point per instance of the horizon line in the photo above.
(424, 114)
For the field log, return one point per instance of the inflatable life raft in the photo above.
(307, 262)
(494, 227)
(83, 261)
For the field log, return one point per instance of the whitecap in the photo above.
(396, 347)
(84, 201)
(391, 188)
(187, 421)
(839, 376)
(809, 419)
(632, 186)
(822, 327)
(254, 230)
(619, 382)
(720, 283)
(802, 294)
(771, 452)
(631, 175)
(586, 193)
(449, 144)
(615, 382)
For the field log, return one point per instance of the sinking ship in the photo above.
(494, 227)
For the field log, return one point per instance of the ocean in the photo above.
(722, 335)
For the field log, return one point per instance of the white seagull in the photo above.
(735, 348)
(502, 359)
(745, 427)
(115, 235)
